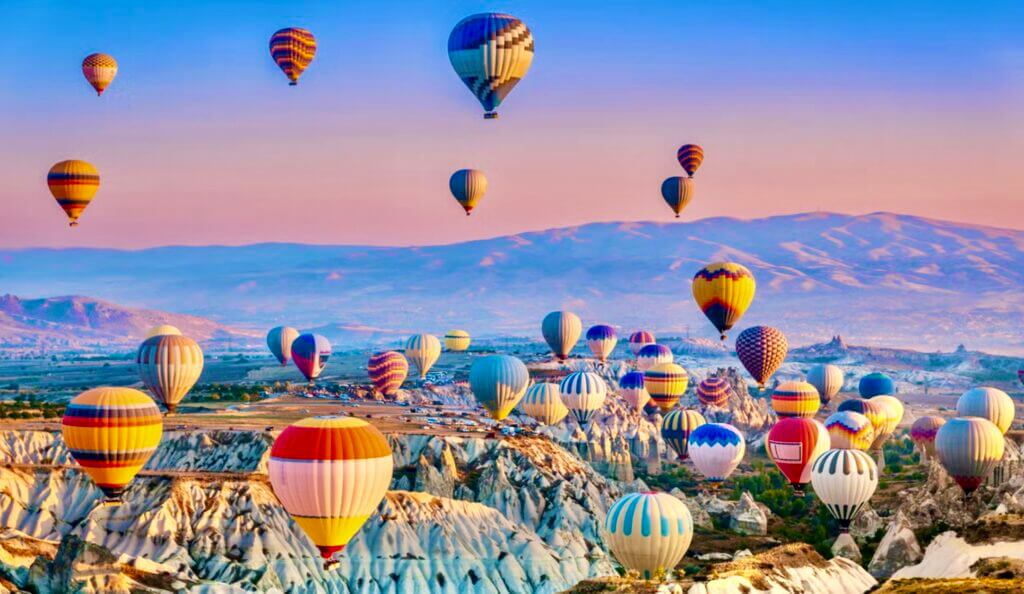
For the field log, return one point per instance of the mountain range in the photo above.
(880, 278)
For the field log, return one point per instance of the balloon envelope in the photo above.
(584, 394)
(468, 186)
(648, 532)
(988, 403)
(280, 340)
(666, 383)
(169, 366)
(716, 450)
(850, 430)
(387, 371)
(292, 49)
(794, 444)
(601, 340)
(310, 353)
(714, 392)
(73, 184)
(639, 340)
(632, 390)
(761, 350)
(678, 192)
(491, 52)
(456, 340)
(544, 403)
(924, 430)
(844, 481)
(795, 399)
(690, 156)
(876, 384)
(99, 70)
(423, 350)
(724, 291)
(969, 448)
(676, 428)
(498, 382)
(161, 330)
(827, 379)
(875, 411)
(561, 330)
(653, 354)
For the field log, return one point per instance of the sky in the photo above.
(854, 107)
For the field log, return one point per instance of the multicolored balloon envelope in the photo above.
(111, 433)
(561, 330)
(969, 448)
(330, 474)
(714, 392)
(498, 382)
(795, 399)
(761, 350)
(648, 532)
(279, 341)
(639, 340)
(601, 340)
(850, 430)
(491, 52)
(988, 403)
(423, 350)
(716, 450)
(653, 354)
(794, 444)
(456, 340)
(924, 430)
(169, 366)
(387, 371)
(875, 411)
(310, 353)
(99, 70)
(724, 291)
(292, 49)
(468, 187)
(827, 379)
(844, 481)
(666, 383)
(632, 390)
(73, 184)
(544, 403)
(678, 192)
(676, 428)
(876, 384)
(690, 157)
(584, 394)
(161, 330)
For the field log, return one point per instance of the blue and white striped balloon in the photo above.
(653, 354)
(648, 532)
(583, 393)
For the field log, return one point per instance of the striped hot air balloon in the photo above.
(988, 403)
(714, 392)
(796, 399)
(632, 390)
(601, 340)
(99, 70)
(923, 432)
(648, 532)
(468, 186)
(639, 340)
(169, 366)
(761, 350)
(111, 433)
(561, 330)
(73, 184)
(827, 379)
(794, 444)
(584, 394)
(161, 330)
(678, 192)
(491, 52)
(969, 448)
(330, 474)
(387, 371)
(690, 156)
(666, 383)
(653, 354)
(875, 411)
(850, 430)
(676, 428)
(891, 417)
(280, 340)
(716, 450)
(292, 49)
(876, 384)
(456, 340)
(844, 481)
(310, 353)
(724, 291)
(498, 382)
(544, 403)
(423, 350)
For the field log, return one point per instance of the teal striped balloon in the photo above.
(498, 382)
(648, 532)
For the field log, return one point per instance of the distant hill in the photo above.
(879, 279)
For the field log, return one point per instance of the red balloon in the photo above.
(793, 444)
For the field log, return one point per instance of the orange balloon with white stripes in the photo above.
(330, 474)
(73, 184)
(169, 366)
(99, 70)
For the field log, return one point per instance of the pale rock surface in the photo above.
(748, 518)
(950, 556)
(846, 547)
(700, 515)
(898, 548)
(867, 523)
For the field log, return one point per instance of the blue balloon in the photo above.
(876, 384)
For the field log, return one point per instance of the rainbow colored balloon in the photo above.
(666, 383)
(796, 399)
(875, 411)
(724, 291)
(387, 371)
(850, 430)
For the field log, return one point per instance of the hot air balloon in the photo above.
(561, 330)
(690, 156)
(161, 330)
(875, 411)
(892, 416)
(491, 52)
(468, 186)
(99, 70)
(583, 394)
(387, 371)
(724, 291)
(639, 340)
(677, 426)
(850, 430)
(632, 390)
(111, 433)
(969, 448)
(169, 366)
(796, 399)
(678, 192)
(666, 383)
(653, 354)
(794, 444)
(844, 481)
(292, 49)
(73, 184)
(648, 532)
(310, 353)
(716, 450)
(280, 341)
(423, 350)
(602, 340)
(498, 382)
(761, 349)
(827, 379)
(876, 384)
(330, 473)
(987, 403)
(456, 340)
(923, 432)
(714, 392)
(544, 403)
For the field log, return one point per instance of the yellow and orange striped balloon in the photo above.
(99, 70)
(111, 433)
(330, 474)
(73, 184)
(666, 383)
(724, 291)
(293, 49)
(169, 365)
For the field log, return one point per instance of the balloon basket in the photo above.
(491, 115)
(330, 564)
